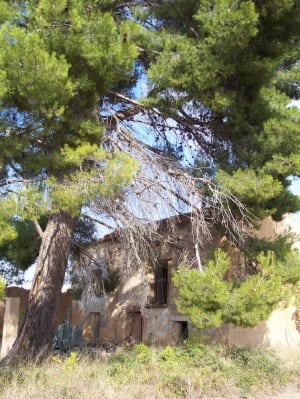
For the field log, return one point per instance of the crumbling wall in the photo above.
(279, 333)
(21, 294)
(123, 320)
(117, 319)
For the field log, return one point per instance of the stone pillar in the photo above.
(11, 323)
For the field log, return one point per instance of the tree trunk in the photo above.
(37, 332)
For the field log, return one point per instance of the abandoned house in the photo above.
(142, 305)
(138, 304)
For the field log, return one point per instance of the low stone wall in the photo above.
(281, 333)
(12, 316)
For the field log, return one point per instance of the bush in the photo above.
(210, 300)
(2, 287)
(203, 295)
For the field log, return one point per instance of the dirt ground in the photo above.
(291, 391)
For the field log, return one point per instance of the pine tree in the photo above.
(57, 61)
(227, 74)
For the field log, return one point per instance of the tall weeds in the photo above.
(190, 372)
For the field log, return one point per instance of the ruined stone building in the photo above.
(120, 320)
(141, 306)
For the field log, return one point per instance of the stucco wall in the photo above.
(64, 311)
(281, 333)
(114, 318)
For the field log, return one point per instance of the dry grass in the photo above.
(192, 372)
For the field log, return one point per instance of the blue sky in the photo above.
(295, 187)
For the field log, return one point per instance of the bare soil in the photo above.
(291, 391)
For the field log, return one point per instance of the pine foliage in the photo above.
(234, 65)
(211, 300)
(57, 61)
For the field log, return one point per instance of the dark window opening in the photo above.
(183, 331)
(160, 294)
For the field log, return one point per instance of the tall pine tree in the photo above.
(57, 61)
(227, 74)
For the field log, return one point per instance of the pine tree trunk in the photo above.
(36, 335)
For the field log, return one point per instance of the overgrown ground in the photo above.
(192, 371)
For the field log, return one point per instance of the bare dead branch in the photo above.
(163, 187)
(11, 182)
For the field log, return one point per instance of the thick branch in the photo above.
(38, 228)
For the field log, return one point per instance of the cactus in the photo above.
(68, 337)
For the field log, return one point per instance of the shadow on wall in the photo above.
(281, 333)
(231, 335)
(22, 294)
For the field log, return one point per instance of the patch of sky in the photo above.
(295, 189)
(143, 84)
(295, 181)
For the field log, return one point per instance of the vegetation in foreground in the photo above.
(192, 371)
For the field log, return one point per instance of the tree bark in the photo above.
(38, 328)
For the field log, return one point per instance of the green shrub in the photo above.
(203, 296)
(2, 287)
(210, 300)
(253, 367)
(168, 353)
(142, 353)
